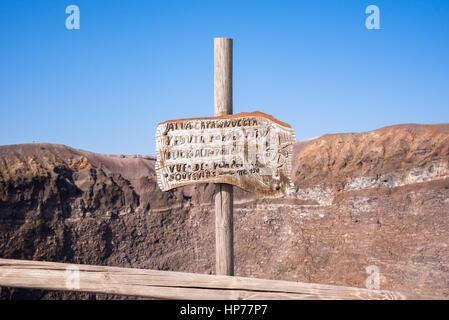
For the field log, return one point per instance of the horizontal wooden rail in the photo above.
(172, 285)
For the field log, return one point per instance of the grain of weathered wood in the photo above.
(224, 226)
(223, 76)
(175, 285)
(224, 237)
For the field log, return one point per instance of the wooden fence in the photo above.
(172, 285)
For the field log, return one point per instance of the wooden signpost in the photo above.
(249, 150)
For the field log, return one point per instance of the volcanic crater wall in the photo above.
(374, 198)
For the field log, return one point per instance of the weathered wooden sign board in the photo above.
(249, 150)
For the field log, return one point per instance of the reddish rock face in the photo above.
(376, 198)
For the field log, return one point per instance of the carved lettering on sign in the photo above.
(249, 150)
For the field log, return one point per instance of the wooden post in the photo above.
(224, 225)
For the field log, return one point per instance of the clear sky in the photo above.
(133, 64)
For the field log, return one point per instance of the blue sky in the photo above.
(133, 64)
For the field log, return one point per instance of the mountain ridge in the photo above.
(373, 198)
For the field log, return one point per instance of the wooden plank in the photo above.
(173, 285)
(223, 195)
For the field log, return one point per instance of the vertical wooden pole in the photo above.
(224, 224)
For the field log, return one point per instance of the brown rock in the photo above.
(374, 198)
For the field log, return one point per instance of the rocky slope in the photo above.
(375, 198)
